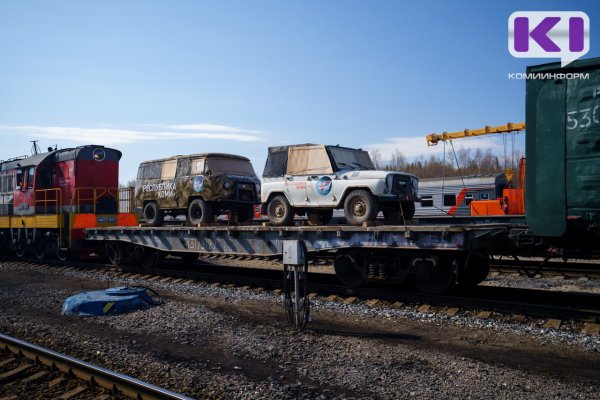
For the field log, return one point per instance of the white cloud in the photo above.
(412, 147)
(108, 136)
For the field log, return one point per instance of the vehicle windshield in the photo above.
(219, 165)
(350, 158)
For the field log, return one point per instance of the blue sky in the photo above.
(158, 78)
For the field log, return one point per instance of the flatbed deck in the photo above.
(255, 240)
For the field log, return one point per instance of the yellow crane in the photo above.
(514, 197)
(434, 138)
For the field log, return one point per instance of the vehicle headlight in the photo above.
(257, 187)
(227, 185)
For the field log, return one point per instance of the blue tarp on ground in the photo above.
(117, 300)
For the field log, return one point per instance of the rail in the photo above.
(105, 378)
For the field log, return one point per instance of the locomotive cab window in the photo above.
(427, 201)
(449, 200)
(30, 177)
(20, 177)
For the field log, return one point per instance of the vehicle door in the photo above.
(297, 177)
(167, 186)
(321, 188)
(183, 182)
(198, 184)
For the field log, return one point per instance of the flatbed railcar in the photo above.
(435, 257)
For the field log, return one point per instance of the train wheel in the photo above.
(62, 254)
(435, 275)
(351, 269)
(476, 269)
(20, 248)
(148, 258)
(114, 253)
(39, 249)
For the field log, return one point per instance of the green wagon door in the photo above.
(583, 146)
(563, 147)
(545, 151)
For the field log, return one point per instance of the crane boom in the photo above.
(434, 138)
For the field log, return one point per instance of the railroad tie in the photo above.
(373, 302)
(484, 314)
(73, 392)
(591, 328)
(397, 304)
(10, 397)
(332, 297)
(7, 361)
(14, 373)
(452, 311)
(552, 324)
(36, 376)
(55, 382)
(517, 318)
(350, 300)
(424, 308)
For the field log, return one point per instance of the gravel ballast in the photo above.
(219, 342)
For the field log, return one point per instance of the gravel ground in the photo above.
(556, 283)
(230, 343)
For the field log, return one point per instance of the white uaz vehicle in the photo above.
(316, 179)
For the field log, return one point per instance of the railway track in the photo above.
(41, 373)
(549, 309)
(538, 266)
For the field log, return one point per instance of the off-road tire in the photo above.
(280, 211)
(153, 215)
(199, 212)
(360, 206)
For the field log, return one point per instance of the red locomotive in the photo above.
(46, 200)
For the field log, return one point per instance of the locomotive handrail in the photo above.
(96, 193)
(57, 201)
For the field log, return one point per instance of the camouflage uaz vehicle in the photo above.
(315, 179)
(201, 186)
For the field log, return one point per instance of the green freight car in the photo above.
(563, 151)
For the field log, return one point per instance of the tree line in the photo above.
(464, 162)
